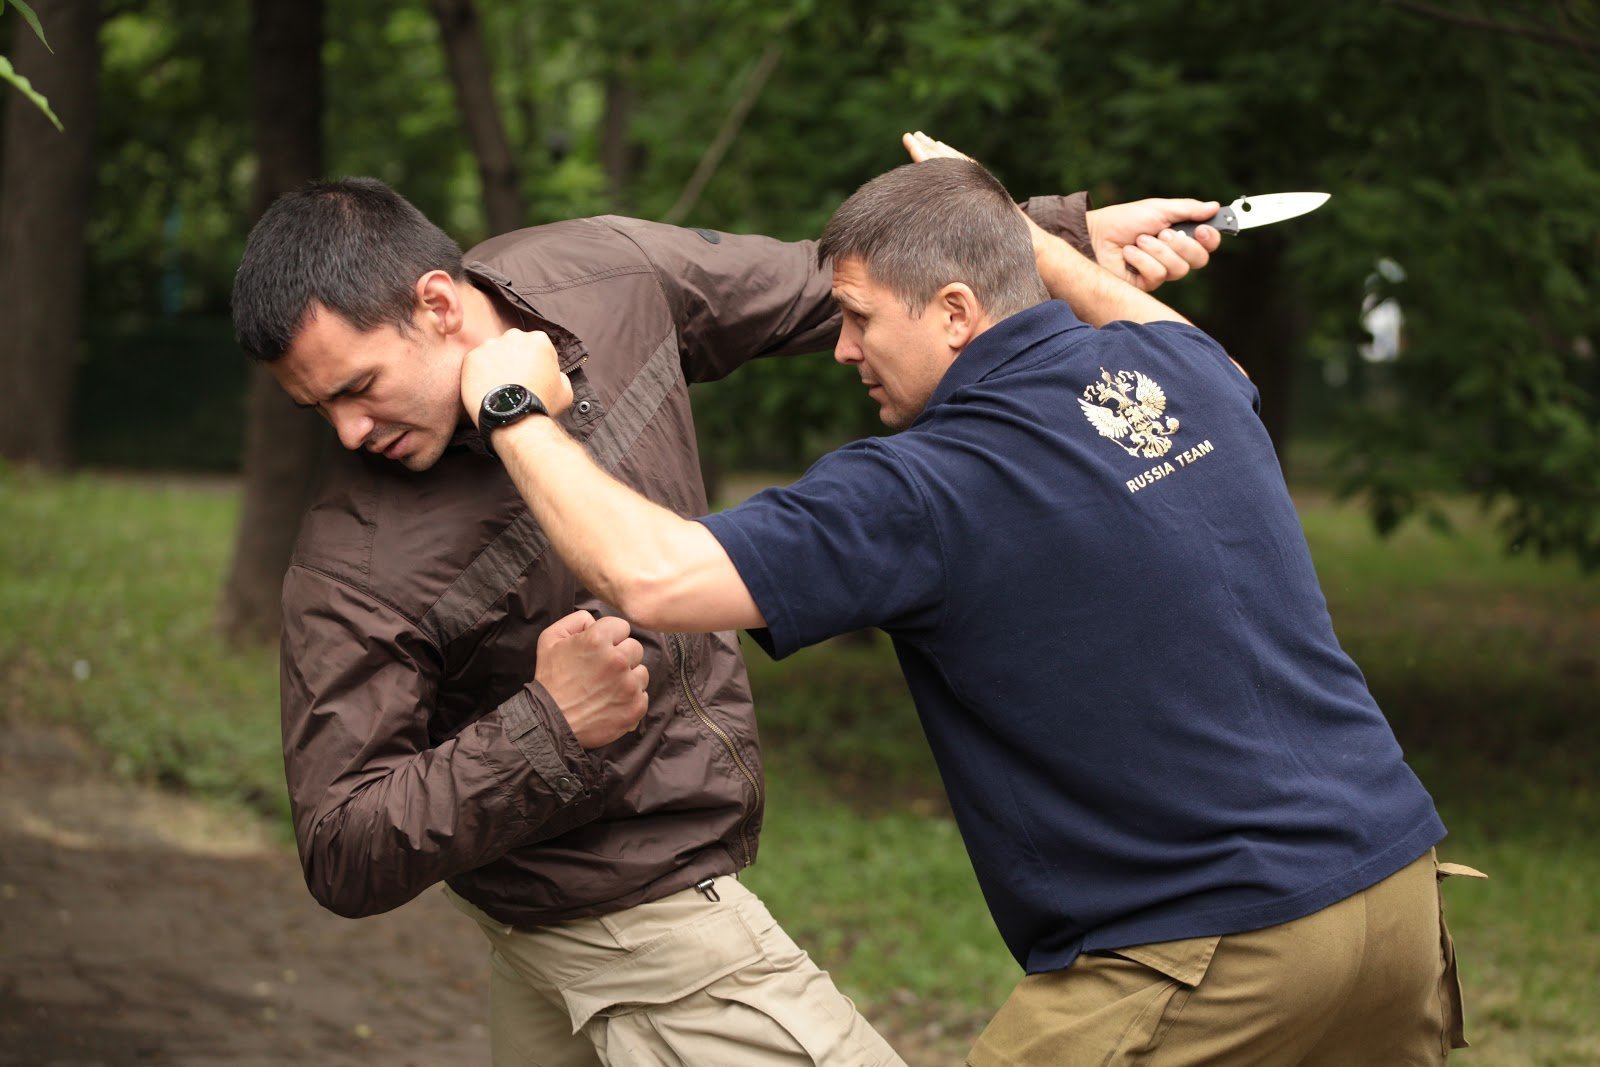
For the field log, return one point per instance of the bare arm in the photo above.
(1094, 293)
(658, 569)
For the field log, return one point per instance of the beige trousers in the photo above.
(1367, 982)
(685, 981)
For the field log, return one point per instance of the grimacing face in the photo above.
(900, 356)
(388, 391)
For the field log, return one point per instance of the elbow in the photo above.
(647, 601)
(344, 875)
(679, 580)
(341, 890)
(342, 904)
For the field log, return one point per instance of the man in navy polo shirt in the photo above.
(1192, 825)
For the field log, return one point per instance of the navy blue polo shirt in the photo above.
(1104, 606)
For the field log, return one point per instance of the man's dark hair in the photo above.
(924, 225)
(354, 246)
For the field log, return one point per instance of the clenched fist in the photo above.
(595, 672)
(516, 357)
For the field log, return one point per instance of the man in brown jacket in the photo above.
(452, 709)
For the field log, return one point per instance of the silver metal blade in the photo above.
(1274, 207)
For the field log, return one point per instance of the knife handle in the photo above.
(1225, 221)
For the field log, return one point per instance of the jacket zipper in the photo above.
(682, 652)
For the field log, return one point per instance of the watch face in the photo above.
(506, 400)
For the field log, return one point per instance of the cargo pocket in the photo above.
(1185, 962)
(802, 1010)
(717, 992)
(1454, 1029)
(663, 970)
(1111, 1006)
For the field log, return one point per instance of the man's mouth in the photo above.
(392, 449)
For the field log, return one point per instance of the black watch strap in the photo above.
(504, 405)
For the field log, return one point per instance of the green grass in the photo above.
(108, 590)
(1487, 665)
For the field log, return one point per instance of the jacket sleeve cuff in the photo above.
(539, 731)
(1064, 216)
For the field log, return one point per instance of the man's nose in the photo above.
(353, 429)
(846, 351)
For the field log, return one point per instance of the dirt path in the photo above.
(139, 928)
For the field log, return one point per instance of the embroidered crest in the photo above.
(1128, 408)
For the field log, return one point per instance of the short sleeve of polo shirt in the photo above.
(849, 546)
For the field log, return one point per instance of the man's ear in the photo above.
(963, 315)
(439, 300)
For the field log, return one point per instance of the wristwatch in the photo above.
(504, 405)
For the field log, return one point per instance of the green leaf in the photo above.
(27, 89)
(32, 20)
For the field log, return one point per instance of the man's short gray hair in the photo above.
(924, 225)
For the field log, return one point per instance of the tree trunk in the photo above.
(46, 176)
(616, 151)
(1257, 321)
(468, 60)
(282, 442)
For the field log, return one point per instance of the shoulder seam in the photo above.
(651, 267)
(574, 283)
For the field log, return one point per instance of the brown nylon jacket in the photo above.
(417, 747)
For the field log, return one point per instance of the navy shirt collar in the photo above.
(1003, 342)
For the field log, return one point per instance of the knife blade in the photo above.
(1262, 210)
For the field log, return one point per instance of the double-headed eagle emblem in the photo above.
(1127, 407)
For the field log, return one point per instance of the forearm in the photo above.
(1095, 295)
(448, 810)
(660, 570)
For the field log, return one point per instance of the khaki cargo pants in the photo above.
(692, 980)
(1367, 982)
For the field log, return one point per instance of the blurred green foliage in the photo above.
(1461, 151)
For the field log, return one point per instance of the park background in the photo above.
(1444, 448)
